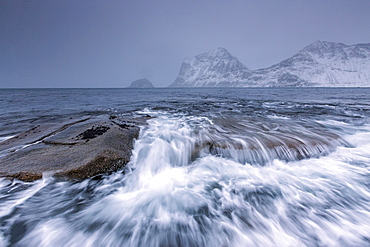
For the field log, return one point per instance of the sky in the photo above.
(110, 43)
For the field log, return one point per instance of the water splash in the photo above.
(176, 192)
(259, 141)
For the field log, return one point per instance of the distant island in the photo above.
(141, 83)
(320, 64)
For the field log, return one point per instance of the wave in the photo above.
(198, 181)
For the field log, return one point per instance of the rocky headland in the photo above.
(141, 83)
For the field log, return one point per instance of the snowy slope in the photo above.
(214, 68)
(323, 64)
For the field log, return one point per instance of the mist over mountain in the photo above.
(320, 64)
(141, 83)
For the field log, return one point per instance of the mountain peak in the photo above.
(218, 52)
(321, 63)
(323, 46)
(214, 68)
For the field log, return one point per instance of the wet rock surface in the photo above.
(259, 142)
(76, 148)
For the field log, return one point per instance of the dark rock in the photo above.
(77, 148)
(93, 132)
(141, 83)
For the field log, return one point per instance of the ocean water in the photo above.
(214, 167)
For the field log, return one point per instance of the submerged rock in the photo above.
(257, 142)
(77, 148)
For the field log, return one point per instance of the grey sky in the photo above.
(74, 43)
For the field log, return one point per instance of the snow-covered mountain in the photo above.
(210, 69)
(322, 64)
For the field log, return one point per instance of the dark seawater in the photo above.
(215, 167)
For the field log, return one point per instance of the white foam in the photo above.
(170, 198)
(8, 206)
(163, 191)
(4, 138)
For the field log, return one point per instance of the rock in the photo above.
(255, 142)
(77, 148)
(141, 83)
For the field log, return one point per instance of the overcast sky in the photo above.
(73, 43)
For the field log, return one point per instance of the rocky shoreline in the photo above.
(76, 148)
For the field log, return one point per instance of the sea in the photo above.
(213, 167)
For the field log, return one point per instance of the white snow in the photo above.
(323, 64)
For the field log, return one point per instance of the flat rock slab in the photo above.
(77, 148)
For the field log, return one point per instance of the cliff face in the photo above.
(214, 68)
